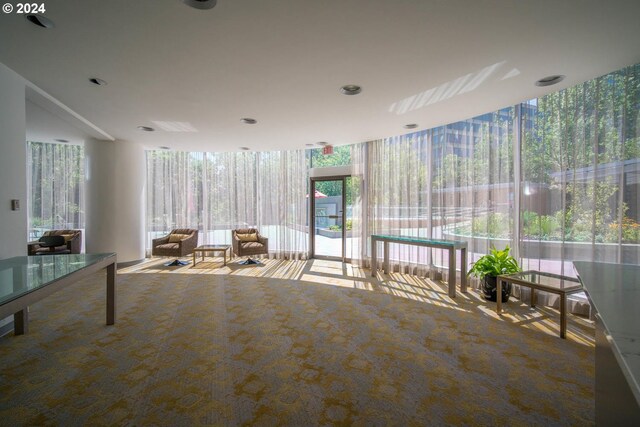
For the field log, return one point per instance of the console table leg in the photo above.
(452, 273)
(463, 270)
(563, 315)
(374, 257)
(385, 266)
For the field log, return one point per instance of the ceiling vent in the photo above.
(201, 4)
(40, 20)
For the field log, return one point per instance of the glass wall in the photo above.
(55, 187)
(218, 192)
(580, 174)
(555, 178)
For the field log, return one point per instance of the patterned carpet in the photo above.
(291, 343)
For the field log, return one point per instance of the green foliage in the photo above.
(335, 228)
(628, 231)
(496, 225)
(542, 227)
(496, 262)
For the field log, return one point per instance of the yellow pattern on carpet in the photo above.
(291, 343)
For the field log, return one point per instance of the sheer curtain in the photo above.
(282, 202)
(451, 182)
(472, 183)
(394, 173)
(55, 183)
(218, 192)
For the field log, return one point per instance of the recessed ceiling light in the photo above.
(248, 121)
(309, 145)
(61, 140)
(322, 143)
(550, 80)
(350, 89)
(164, 147)
(146, 128)
(200, 4)
(245, 148)
(97, 81)
(411, 126)
(40, 20)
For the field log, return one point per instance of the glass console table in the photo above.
(449, 245)
(25, 280)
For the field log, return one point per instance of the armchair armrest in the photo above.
(160, 241)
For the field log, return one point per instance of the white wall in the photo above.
(115, 198)
(13, 164)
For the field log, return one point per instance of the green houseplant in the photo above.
(489, 266)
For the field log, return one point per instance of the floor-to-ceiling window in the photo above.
(580, 174)
(218, 192)
(55, 179)
(557, 178)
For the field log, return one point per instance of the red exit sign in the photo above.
(327, 149)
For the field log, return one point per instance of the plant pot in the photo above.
(489, 284)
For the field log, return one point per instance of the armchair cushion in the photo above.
(176, 238)
(249, 237)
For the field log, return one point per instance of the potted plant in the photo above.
(489, 266)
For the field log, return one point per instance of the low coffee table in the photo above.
(542, 281)
(212, 248)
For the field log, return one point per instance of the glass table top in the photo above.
(544, 279)
(24, 274)
(414, 239)
(213, 247)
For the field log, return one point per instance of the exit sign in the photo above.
(327, 149)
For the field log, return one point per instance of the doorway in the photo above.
(330, 218)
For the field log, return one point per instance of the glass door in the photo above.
(328, 218)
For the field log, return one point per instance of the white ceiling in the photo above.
(283, 61)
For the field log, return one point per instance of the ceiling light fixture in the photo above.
(61, 140)
(550, 80)
(350, 89)
(200, 4)
(146, 128)
(97, 81)
(39, 20)
(248, 121)
(245, 148)
(322, 143)
(411, 126)
(164, 147)
(309, 145)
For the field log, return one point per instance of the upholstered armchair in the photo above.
(180, 242)
(248, 241)
(71, 244)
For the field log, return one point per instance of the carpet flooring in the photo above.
(291, 343)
